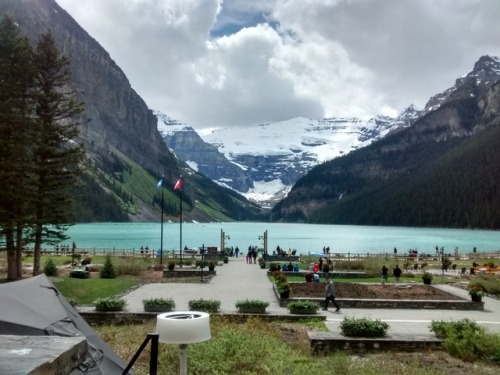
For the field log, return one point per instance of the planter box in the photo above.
(476, 298)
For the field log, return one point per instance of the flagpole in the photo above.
(178, 185)
(180, 236)
(161, 231)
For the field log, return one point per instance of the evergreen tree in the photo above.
(57, 156)
(16, 79)
(108, 271)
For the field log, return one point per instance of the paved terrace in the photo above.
(238, 281)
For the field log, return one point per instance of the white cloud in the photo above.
(238, 62)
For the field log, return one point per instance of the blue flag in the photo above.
(159, 184)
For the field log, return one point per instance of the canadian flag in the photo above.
(178, 184)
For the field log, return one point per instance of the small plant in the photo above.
(211, 266)
(255, 306)
(476, 290)
(86, 261)
(158, 304)
(209, 306)
(427, 277)
(226, 259)
(303, 307)
(274, 267)
(110, 304)
(171, 265)
(363, 327)
(50, 268)
(108, 271)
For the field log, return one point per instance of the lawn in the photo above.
(86, 291)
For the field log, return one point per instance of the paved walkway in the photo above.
(238, 281)
(235, 281)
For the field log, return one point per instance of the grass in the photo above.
(260, 347)
(86, 291)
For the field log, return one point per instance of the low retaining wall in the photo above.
(458, 304)
(123, 317)
(179, 272)
(326, 342)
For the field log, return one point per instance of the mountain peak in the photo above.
(486, 73)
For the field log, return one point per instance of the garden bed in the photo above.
(392, 296)
(371, 291)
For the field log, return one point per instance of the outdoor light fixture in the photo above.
(182, 328)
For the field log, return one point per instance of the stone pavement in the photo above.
(238, 281)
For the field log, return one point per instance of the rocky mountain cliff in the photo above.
(440, 171)
(262, 162)
(125, 151)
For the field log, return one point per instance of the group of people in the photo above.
(251, 254)
(281, 252)
(396, 273)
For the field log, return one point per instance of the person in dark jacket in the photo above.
(397, 273)
(330, 294)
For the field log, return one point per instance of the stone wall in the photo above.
(326, 342)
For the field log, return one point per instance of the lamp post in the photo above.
(183, 328)
(223, 239)
(202, 252)
(264, 237)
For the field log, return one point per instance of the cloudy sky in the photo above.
(215, 63)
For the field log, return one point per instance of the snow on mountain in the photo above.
(264, 161)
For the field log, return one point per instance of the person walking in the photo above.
(397, 273)
(385, 270)
(330, 294)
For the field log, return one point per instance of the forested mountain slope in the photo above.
(442, 171)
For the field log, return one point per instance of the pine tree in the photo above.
(16, 79)
(57, 156)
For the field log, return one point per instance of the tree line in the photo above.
(40, 159)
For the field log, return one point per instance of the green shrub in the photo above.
(363, 327)
(443, 328)
(171, 265)
(273, 267)
(303, 305)
(79, 274)
(109, 304)
(50, 268)
(158, 304)
(108, 271)
(466, 340)
(206, 305)
(251, 304)
(211, 265)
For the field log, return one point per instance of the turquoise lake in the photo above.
(304, 238)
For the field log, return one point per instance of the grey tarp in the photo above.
(34, 307)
